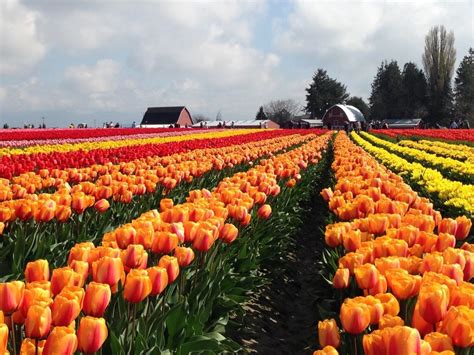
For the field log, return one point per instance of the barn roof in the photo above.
(162, 115)
(314, 123)
(353, 114)
(403, 122)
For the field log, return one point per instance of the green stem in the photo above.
(13, 334)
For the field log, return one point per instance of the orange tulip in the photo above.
(352, 240)
(264, 211)
(389, 321)
(341, 278)
(137, 286)
(164, 242)
(458, 325)
(378, 224)
(134, 257)
(464, 225)
(432, 262)
(386, 264)
(454, 272)
(419, 322)
(91, 334)
(184, 255)
(373, 343)
(61, 341)
(328, 333)
(28, 347)
(402, 284)
(462, 295)
(63, 213)
(170, 263)
(45, 212)
(102, 205)
(389, 302)
(448, 225)
(204, 239)
(79, 252)
(63, 277)
(107, 270)
(366, 275)
(37, 270)
(228, 233)
(355, 317)
(433, 302)
(190, 230)
(3, 338)
(375, 307)
(408, 233)
(439, 341)
(11, 294)
(327, 350)
(166, 204)
(445, 241)
(38, 322)
(380, 286)
(351, 261)
(125, 235)
(65, 310)
(32, 296)
(96, 299)
(159, 279)
(81, 267)
(402, 340)
(469, 266)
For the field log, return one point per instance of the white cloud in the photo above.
(20, 46)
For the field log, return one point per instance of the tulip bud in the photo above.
(366, 276)
(355, 317)
(402, 340)
(65, 310)
(134, 257)
(170, 263)
(164, 242)
(37, 270)
(464, 225)
(61, 341)
(448, 225)
(96, 299)
(228, 233)
(328, 333)
(63, 277)
(11, 295)
(137, 286)
(38, 322)
(341, 278)
(184, 255)
(159, 279)
(389, 321)
(102, 205)
(264, 211)
(204, 239)
(91, 334)
(107, 270)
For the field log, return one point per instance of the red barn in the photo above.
(338, 115)
(166, 116)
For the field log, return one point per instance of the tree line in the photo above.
(410, 92)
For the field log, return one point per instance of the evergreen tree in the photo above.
(438, 60)
(323, 93)
(358, 102)
(261, 114)
(464, 89)
(414, 91)
(385, 99)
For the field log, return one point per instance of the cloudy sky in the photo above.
(95, 61)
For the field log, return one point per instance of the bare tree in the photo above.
(438, 61)
(281, 111)
(200, 117)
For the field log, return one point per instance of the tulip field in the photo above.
(174, 241)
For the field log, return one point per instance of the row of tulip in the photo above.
(452, 194)
(57, 141)
(58, 133)
(17, 164)
(402, 281)
(444, 134)
(84, 211)
(450, 168)
(460, 152)
(133, 267)
(111, 144)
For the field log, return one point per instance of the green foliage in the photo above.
(387, 88)
(323, 93)
(414, 99)
(359, 103)
(439, 58)
(464, 89)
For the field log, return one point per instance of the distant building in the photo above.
(338, 115)
(166, 116)
(403, 122)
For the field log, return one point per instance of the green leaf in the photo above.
(175, 321)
